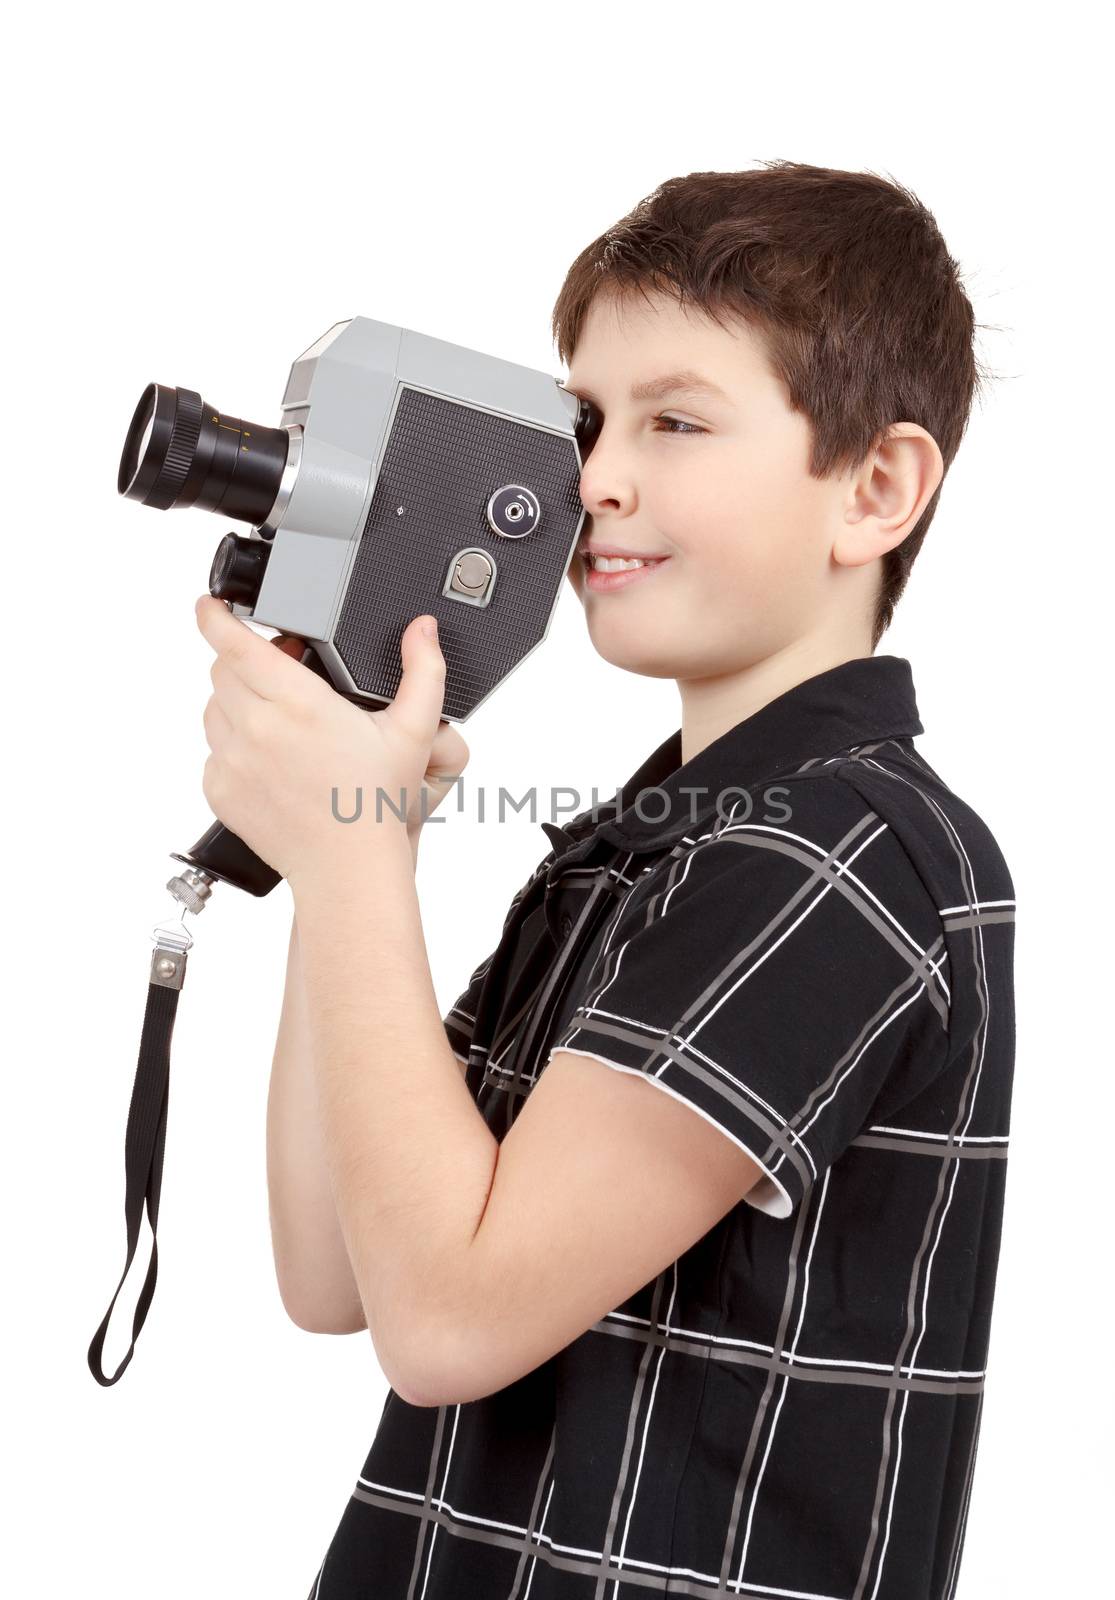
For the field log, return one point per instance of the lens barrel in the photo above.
(238, 568)
(179, 451)
(587, 426)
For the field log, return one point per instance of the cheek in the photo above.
(748, 519)
(706, 495)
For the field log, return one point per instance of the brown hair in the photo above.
(848, 281)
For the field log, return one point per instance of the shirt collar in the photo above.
(867, 699)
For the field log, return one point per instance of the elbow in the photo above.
(424, 1389)
(413, 1378)
(443, 1370)
(312, 1317)
(409, 1360)
(443, 1349)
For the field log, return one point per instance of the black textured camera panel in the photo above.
(443, 462)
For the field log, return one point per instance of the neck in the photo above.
(710, 706)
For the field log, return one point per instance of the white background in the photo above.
(193, 196)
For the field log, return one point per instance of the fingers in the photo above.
(238, 703)
(218, 729)
(449, 754)
(233, 704)
(448, 758)
(269, 672)
(415, 709)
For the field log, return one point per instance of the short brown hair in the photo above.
(849, 283)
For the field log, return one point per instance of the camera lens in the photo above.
(179, 451)
(148, 425)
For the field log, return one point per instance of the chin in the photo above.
(636, 658)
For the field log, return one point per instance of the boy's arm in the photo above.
(410, 1157)
(459, 1303)
(314, 1273)
(315, 1278)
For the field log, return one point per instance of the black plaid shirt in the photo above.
(807, 937)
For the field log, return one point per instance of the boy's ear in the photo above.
(888, 494)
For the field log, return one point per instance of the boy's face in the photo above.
(747, 531)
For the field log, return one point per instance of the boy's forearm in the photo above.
(314, 1273)
(410, 1157)
(315, 1278)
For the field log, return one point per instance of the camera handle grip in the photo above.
(224, 855)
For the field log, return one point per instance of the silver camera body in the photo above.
(420, 476)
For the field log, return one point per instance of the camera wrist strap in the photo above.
(145, 1136)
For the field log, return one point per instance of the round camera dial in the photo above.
(513, 511)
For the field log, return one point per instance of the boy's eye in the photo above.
(676, 423)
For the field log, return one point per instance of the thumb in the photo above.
(418, 701)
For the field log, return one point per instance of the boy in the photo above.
(683, 1278)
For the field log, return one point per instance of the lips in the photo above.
(604, 582)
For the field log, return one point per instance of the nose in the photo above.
(606, 482)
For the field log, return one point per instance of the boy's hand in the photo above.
(449, 755)
(282, 741)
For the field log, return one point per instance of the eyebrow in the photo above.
(685, 382)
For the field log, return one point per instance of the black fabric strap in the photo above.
(143, 1154)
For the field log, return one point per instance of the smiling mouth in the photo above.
(609, 578)
(595, 563)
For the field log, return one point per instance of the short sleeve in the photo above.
(460, 1019)
(782, 982)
